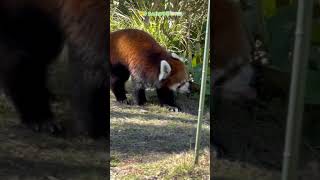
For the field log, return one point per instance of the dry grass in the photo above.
(150, 142)
(170, 166)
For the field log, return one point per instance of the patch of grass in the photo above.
(173, 166)
(114, 161)
(150, 142)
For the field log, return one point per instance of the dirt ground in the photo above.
(26, 155)
(150, 142)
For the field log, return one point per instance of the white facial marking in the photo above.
(181, 87)
(174, 87)
(165, 70)
(174, 55)
(185, 88)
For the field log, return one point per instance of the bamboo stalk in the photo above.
(297, 88)
(203, 86)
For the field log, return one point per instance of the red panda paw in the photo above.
(127, 102)
(173, 108)
(50, 127)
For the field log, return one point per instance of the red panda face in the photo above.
(183, 87)
(173, 75)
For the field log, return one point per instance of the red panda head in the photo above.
(173, 74)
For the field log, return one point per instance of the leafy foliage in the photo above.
(281, 24)
(184, 35)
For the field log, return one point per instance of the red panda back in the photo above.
(138, 51)
(230, 38)
(141, 54)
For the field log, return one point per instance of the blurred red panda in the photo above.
(231, 69)
(32, 35)
(134, 52)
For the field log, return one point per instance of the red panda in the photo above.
(231, 71)
(134, 52)
(231, 51)
(32, 35)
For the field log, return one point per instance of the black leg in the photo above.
(119, 76)
(25, 84)
(139, 93)
(90, 102)
(89, 97)
(89, 66)
(215, 109)
(167, 97)
(118, 88)
(140, 96)
(100, 110)
(218, 147)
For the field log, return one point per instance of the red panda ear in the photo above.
(174, 55)
(165, 70)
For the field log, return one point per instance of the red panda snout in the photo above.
(182, 88)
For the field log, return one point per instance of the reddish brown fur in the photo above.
(142, 55)
(229, 36)
(32, 35)
(72, 15)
